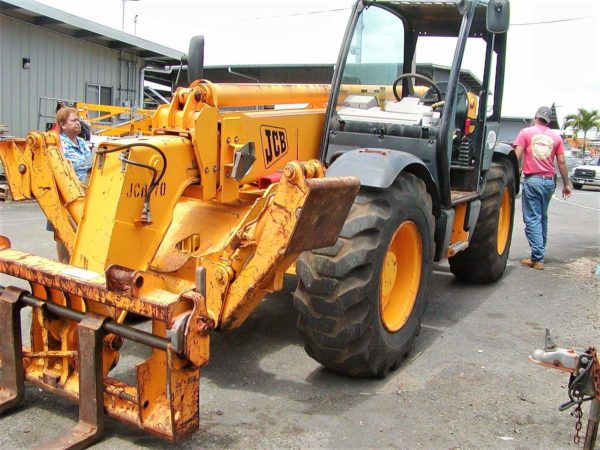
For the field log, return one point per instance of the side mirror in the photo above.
(498, 16)
(195, 59)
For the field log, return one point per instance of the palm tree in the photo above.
(584, 121)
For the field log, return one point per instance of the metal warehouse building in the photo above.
(48, 55)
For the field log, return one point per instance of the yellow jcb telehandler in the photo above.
(362, 184)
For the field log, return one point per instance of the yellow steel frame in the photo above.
(166, 230)
(140, 252)
(140, 119)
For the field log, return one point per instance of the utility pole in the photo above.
(123, 13)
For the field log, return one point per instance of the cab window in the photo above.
(376, 53)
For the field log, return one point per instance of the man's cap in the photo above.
(544, 113)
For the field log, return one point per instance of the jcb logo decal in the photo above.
(274, 144)
(137, 190)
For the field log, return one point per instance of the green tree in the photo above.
(584, 121)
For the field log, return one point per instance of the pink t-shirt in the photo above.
(541, 146)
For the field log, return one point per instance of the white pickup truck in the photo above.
(588, 174)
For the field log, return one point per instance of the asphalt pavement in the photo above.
(467, 384)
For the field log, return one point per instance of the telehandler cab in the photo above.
(364, 184)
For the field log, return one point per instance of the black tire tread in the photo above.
(338, 318)
(480, 262)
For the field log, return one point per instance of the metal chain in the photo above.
(578, 414)
(595, 372)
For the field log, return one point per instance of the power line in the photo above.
(325, 11)
(572, 19)
(305, 13)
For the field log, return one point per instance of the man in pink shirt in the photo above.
(539, 146)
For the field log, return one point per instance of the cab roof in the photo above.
(438, 17)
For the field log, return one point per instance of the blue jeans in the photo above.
(537, 193)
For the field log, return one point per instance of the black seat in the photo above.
(462, 104)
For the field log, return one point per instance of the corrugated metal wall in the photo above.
(61, 67)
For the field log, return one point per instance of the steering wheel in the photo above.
(429, 81)
(461, 95)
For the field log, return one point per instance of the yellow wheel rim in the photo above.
(400, 276)
(503, 221)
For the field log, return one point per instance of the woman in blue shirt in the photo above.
(78, 153)
(75, 149)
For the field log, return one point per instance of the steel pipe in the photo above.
(110, 326)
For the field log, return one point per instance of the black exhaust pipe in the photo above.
(195, 59)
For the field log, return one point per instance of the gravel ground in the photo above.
(467, 384)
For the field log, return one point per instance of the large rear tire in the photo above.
(361, 301)
(485, 259)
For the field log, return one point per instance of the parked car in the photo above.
(572, 161)
(588, 174)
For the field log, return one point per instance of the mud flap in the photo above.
(324, 213)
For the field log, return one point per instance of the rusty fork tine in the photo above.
(12, 377)
(90, 427)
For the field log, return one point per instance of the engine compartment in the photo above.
(408, 111)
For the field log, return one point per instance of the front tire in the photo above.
(361, 301)
(578, 186)
(485, 258)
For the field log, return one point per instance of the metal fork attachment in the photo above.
(94, 391)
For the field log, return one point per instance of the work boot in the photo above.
(533, 264)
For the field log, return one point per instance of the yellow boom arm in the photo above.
(190, 227)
